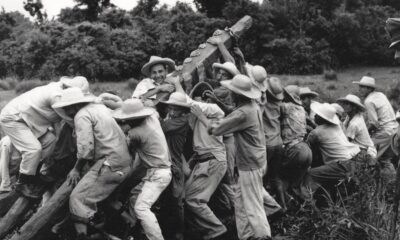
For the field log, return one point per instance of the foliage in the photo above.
(105, 43)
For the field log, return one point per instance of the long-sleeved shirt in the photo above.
(202, 141)
(99, 137)
(148, 140)
(332, 143)
(271, 121)
(34, 107)
(293, 123)
(356, 130)
(143, 87)
(246, 125)
(380, 113)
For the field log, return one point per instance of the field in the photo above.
(386, 79)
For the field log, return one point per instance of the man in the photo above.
(29, 121)
(101, 144)
(210, 166)
(328, 141)
(308, 97)
(297, 154)
(156, 71)
(146, 138)
(245, 122)
(176, 129)
(354, 126)
(381, 122)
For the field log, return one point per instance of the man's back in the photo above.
(381, 113)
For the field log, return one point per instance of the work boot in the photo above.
(29, 186)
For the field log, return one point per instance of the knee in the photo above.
(74, 198)
(34, 149)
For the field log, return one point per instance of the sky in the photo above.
(52, 7)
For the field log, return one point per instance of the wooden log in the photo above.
(45, 214)
(208, 53)
(6, 201)
(16, 212)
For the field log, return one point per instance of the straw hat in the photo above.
(132, 108)
(177, 99)
(339, 109)
(366, 82)
(352, 99)
(293, 92)
(241, 84)
(71, 96)
(326, 111)
(258, 75)
(306, 91)
(227, 66)
(78, 81)
(274, 87)
(158, 60)
(393, 28)
(199, 89)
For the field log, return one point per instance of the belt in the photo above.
(203, 157)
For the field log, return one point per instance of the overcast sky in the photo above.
(52, 7)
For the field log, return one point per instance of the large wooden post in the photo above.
(16, 212)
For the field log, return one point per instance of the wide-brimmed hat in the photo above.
(274, 87)
(199, 89)
(352, 99)
(132, 108)
(293, 92)
(366, 82)
(306, 91)
(72, 96)
(227, 66)
(241, 84)
(158, 60)
(177, 99)
(326, 111)
(393, 28)
(78, 81)
(258, 75)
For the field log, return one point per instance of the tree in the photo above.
(35, 9)
(213, 8)
(145, 8)
(92, 8)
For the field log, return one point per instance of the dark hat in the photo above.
(393, 28)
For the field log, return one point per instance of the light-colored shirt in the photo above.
(294, 123)
(143, 87)
(9, 155)
(202, 141)
(380, 113)
(148, 140)
(34, 108)
(99, 137)
(271, 121)
(356, 130)
(246, 124)
(333, 144)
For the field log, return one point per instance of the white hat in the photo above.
(177, 99)
(72, 96)
(158, 60)
(78, 81)
(132, 108)
(274, 87)
(241, 84)
(352, 99)
(293, 91)
(326, 111)
(258, 75)
(366, 82)
(227, 66)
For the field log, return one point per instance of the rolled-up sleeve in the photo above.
(84, 137)
(143, 87)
